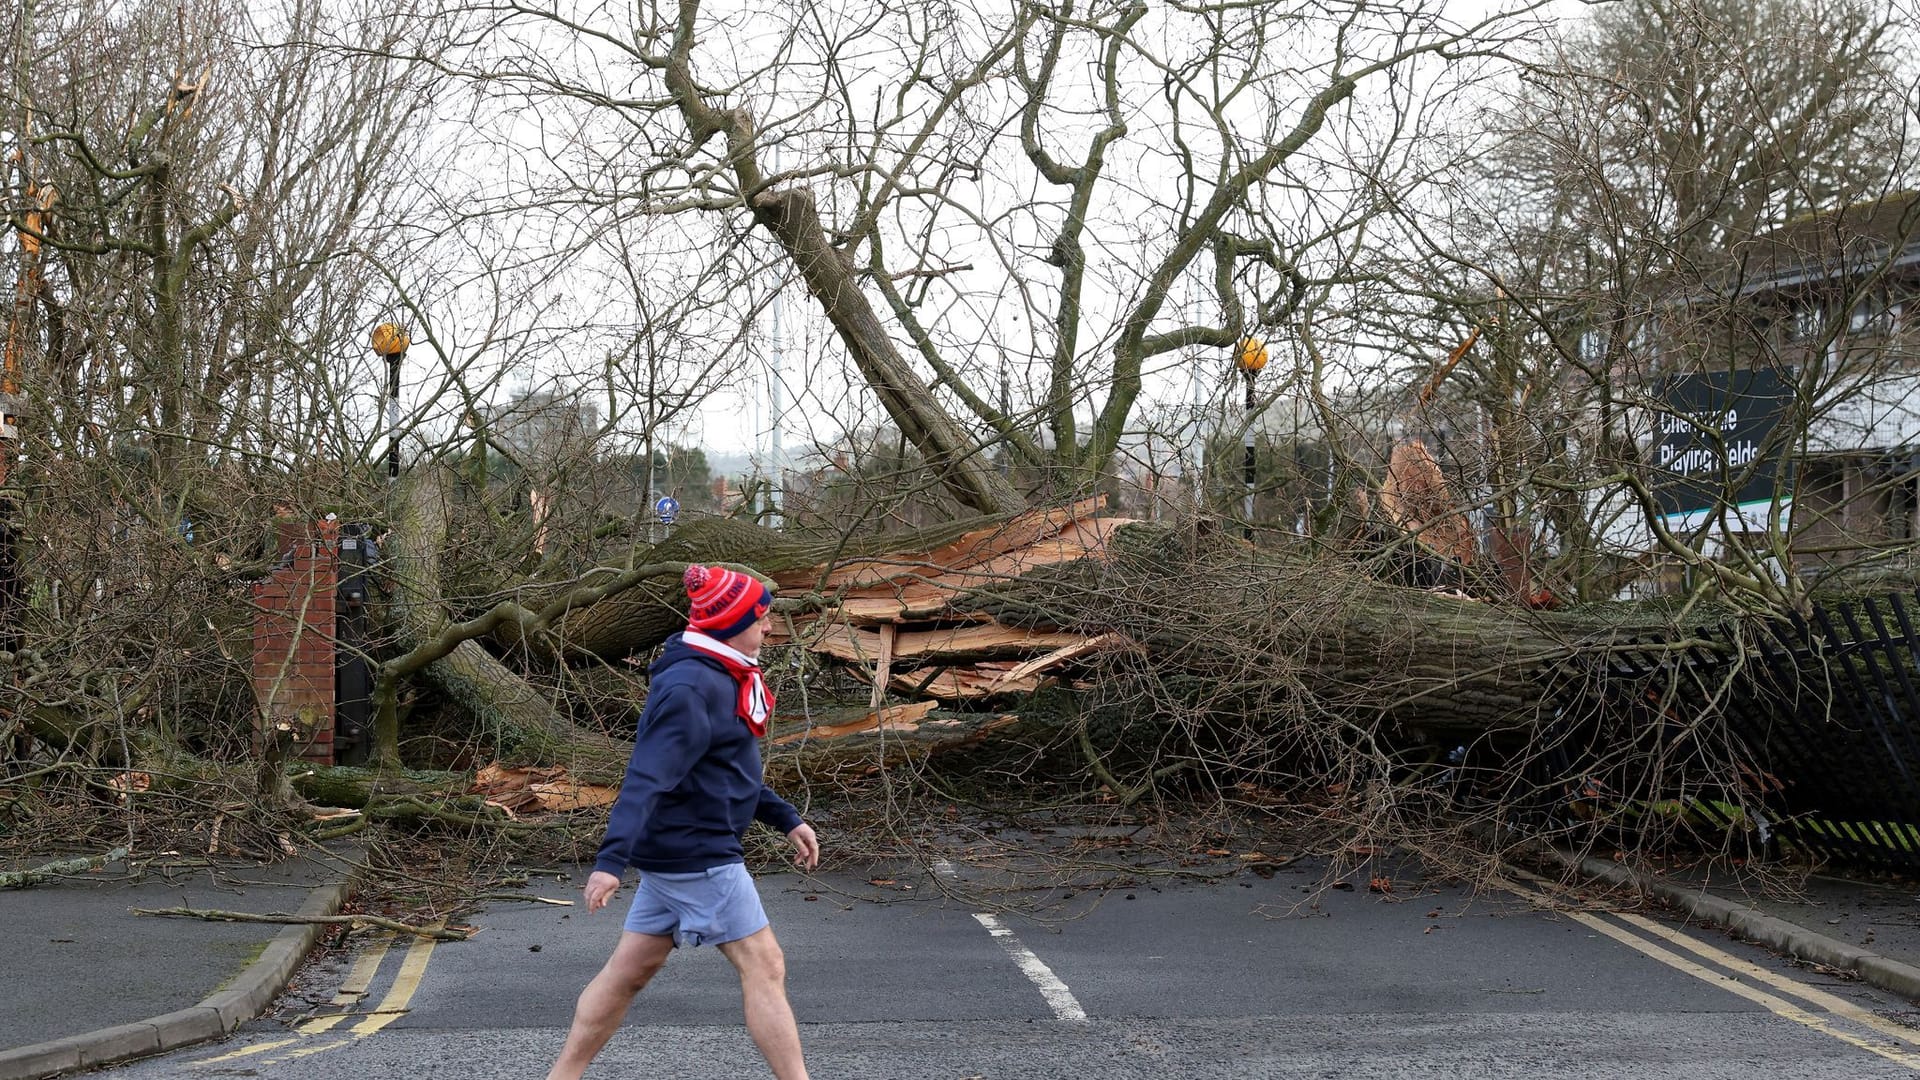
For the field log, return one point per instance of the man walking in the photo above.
(692, 790)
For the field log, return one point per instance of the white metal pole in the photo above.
(1246, 505)
(1195, 438)
(776, 372)
(776, 407)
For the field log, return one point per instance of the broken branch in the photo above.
(438, 933)
(20, 879)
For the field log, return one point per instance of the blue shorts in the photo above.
(706, 907)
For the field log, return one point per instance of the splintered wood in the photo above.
(897, 718)
(546, 789)
(902, 624)
(901, 619)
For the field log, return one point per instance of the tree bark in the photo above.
(638, 619)
(353, 788)
(1275, 627)
(501, 701)
(626, 625)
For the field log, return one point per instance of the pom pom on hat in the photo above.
(723, 602)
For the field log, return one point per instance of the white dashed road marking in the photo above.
(1059, 998)
(1055, 992)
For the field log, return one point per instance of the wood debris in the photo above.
(903, 624)
(896, 718)
(432, 930)
(535, 790)
(1417, 497)
(902, 619)
(20, 879)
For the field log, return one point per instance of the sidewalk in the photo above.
(88, 982)
(1864, 928)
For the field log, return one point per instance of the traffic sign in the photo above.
(666, 509)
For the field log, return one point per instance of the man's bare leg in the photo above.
(603, 1004)
(763, 989)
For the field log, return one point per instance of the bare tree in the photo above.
(204, 178)
(1643, 194)
(1140, 187)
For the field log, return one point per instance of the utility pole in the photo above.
(1006, 410)
(653, 482)
(1193, 436)
(776, 409)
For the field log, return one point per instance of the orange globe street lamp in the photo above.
(1251, 356)
(391, 340)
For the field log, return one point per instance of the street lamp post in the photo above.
(1249, 358)
(391, 341)
(776, 408)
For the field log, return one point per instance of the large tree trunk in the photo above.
(1281, 628)
(636, 620)
(500, 701)
(1131, 614)
(1250, 626)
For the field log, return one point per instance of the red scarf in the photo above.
(755, 703)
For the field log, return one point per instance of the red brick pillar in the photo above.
(293, 644)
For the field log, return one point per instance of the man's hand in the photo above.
(806, 847)
(600, 888)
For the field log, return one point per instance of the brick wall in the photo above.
(293, 642)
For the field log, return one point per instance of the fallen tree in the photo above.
(1062, 648)
(1121, 654)
(980, 615)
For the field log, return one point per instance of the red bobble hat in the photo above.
(725, 601)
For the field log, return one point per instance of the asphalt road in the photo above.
(1244, 977)
(81, 924)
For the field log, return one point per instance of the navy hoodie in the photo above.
(695, 783)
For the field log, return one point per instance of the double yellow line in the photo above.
(353, 990)
(1739, 977)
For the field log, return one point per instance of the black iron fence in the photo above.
(1802, 733)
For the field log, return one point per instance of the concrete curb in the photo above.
(1776, 934)
(242, 999)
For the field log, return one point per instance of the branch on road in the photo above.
(439, 933)
(20, 879)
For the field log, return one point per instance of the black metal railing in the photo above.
(1802, 732)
